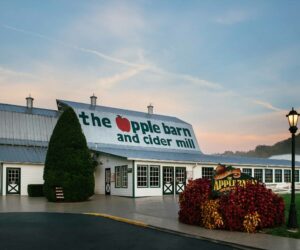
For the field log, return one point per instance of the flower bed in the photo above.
(244, 208)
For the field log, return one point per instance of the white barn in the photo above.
(139, 153)
(24, 136)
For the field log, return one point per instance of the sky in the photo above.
(230, 68)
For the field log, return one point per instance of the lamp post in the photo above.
(293, 119)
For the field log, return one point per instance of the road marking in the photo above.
(121, 219)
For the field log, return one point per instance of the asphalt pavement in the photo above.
(156, 212)
(78, 231)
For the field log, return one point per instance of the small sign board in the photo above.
(227, 178)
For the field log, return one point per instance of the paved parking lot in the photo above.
(161, 212)
(77, 231)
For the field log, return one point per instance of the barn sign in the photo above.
(130, 130)
(227, 178)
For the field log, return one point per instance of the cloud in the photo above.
(109, 82)
(233, 17)
(86, 50)
(267, 105)
(186, 78)
(137, 67)
(7, 73)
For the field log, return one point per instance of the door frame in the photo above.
(107, 185)
(172, 183)
(177, 183)
(19, 183)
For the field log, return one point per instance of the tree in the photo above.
(68, 162)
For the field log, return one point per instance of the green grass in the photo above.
(282, 231)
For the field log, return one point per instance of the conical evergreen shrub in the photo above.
(68, 162)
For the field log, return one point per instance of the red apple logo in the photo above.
(123, 123)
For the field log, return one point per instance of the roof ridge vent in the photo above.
(150, 109)
(93, 100)
(29, 102)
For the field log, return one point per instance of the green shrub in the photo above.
(35, 190)
(68, 162)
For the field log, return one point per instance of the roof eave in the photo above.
(23, 163)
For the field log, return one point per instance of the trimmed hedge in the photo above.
(35, 190)
(69, 163)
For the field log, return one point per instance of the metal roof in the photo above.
(77, 105)
(25, 110)
(133, 154)
(15, 142)
(151, 155)
(34, 126)
(29, 154)
(22, 154)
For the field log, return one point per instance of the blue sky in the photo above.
(230, 68)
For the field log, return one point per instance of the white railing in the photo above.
(283, 187)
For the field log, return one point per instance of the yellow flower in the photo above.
(211, 218)
(251, 222)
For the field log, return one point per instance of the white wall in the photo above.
(33, 174)
(140, 192)
(30, 174)
(111, 162)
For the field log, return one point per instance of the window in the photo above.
(168, 174)
(207, 173)
(296, 175)
(278, 175)
(268, 175)
(287, 175)
(124, 176)
(247, 171)
(118, 177)
(121, 177)
(154, 176)
(258, 174)
(142, 176)
(180, 175)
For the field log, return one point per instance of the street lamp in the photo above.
(293, 119)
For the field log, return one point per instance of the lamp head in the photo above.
(293, 120)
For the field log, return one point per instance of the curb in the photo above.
(121, 219)
(194, 236)
(142, 224)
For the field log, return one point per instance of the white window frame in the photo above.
(289, 175)
(245, 171)
(277, 175)
(205, 174)
(154, 176)
(142, 172)
(271, 175)
(121, 176)
(262, 174)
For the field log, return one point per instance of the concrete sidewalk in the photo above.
(159, 212)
